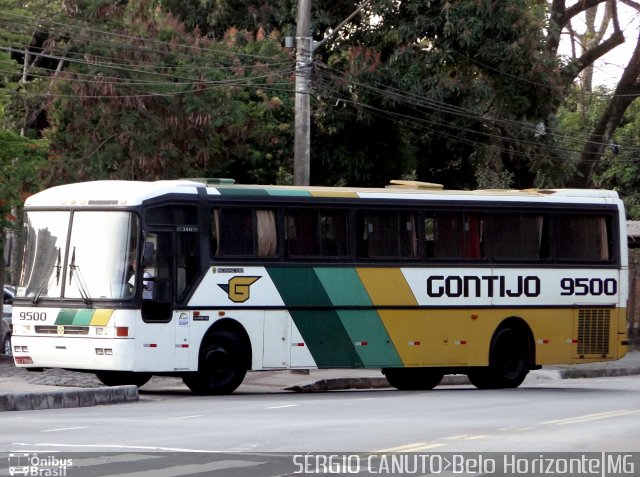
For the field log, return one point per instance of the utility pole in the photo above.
(304, 47)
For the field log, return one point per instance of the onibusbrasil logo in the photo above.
(38, 465)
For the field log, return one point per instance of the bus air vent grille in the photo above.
(593, 331)
(67, 330)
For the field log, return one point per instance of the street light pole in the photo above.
(302, 148)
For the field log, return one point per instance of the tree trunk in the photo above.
(626, 92)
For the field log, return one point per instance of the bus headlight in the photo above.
(21, 329)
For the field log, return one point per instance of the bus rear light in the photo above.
(99, 351)
(23, 360)
(104, 351)
(122, 331)
(20, 349)
(101, 332)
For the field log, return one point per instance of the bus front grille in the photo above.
(593, 331)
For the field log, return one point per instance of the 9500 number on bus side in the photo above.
(32, 316)
(589, 286)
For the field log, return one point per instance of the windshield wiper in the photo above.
(80, 283)
(46, 284)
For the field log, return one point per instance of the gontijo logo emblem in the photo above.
(239, 288)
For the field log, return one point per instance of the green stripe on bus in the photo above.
(65, 317)
(289, 192)
(242, 191)
(365, 328)
(83, 317)
(322, 330)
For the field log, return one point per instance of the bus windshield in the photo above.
(99, 262)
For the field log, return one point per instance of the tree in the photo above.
(465, 82)
(592, 45)
(20, 162)
(147, 100)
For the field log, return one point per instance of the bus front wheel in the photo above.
(509, 360)
(222, 365)
(413, 379)
(123, 378)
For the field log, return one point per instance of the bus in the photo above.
(206, 280)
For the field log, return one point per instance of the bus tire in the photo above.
(413, 379)
(222, 365)
(509, 360)
(123, 378)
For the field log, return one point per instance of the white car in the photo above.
(6, 327)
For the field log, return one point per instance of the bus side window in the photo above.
(459, 235)
(187, 261)
(236, 232)
(302, 232)
(518, 237)
(429, 236)
(387, 234)
(334, 241)
(583, 237)
(215, 227)
(244, 232)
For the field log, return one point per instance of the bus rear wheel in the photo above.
(509, 360)
(123, 378)
(413, 379)
(222, 365)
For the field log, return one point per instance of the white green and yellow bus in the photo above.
(209, 279)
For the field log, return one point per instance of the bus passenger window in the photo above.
(316, 233)
(267, 233)
(429, 236)
(334, 233)
(387, 234)
(244, 232)
(407, 234)
(302, 233)
(459, 235)
(583, 238)
(518, 237)
(236, 232)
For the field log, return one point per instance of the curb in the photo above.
(363, 383)
(576, 373)
(68, 398)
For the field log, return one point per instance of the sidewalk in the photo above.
(57, 388)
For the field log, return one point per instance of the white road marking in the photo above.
(592, 417)
(415, 447)
(185, 417)
(65, 429)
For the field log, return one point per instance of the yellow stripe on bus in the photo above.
(333, 193)
(101, 317)
(388, 287)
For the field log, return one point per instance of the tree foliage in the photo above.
(155, 102)
(463, 92)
